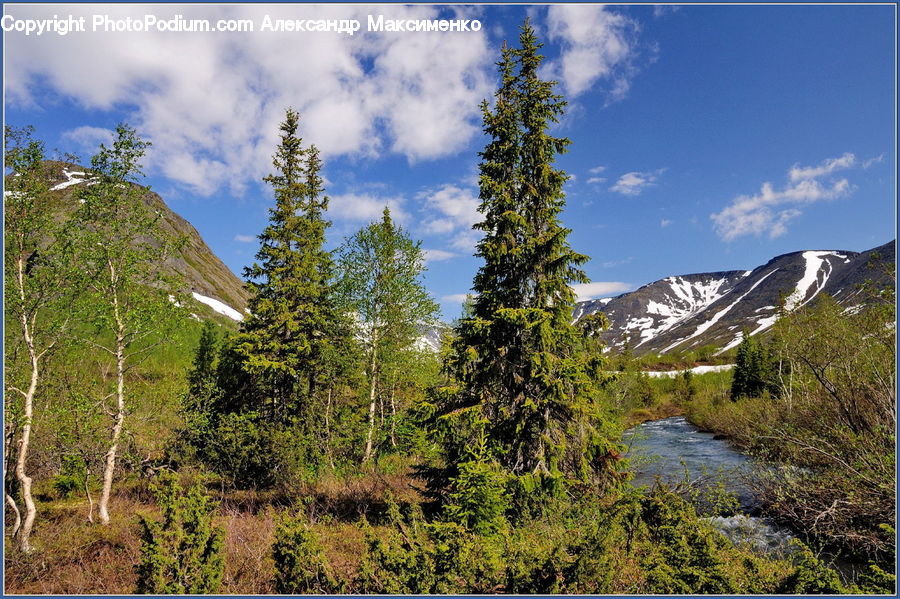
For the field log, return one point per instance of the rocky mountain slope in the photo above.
(689, 311)
(209, 281)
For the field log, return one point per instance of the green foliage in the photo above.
(687, 560)
(183, 553)
(435, 558)
(477, 497)
(380, 282)
(300, 566)
(875, 581)
(811, 576)
(752, 375)
(623, 543)
(73, 476)
(517, 359)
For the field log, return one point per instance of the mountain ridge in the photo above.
(679, 312)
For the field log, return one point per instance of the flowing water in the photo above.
(673, 449)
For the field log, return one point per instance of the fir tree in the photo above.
(519, 362)
(286, 339)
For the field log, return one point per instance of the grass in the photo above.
(73, 556)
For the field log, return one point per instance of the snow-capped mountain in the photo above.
(689, 311)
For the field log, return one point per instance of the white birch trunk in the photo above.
(373, 363)
(119, 423)
(28, 413)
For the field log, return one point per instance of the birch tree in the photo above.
(37, 284)
(381, 282)
(124, 245)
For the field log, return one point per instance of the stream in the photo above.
(673, 449)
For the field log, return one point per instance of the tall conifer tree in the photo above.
(523, 371)
(292, 323)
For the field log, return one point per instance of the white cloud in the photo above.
(438, 255)
(596, 180)
(586, 291)
(660, 10)
(199, 96)
(876, 160)
(455, 298)
(452, 210)
(88, 139)
(770, 210)
(665, 223)
(245, 238)
(597, 170)
(596, 44)
(802, 173)
(614, 263)
(633, 183)
(365, 207)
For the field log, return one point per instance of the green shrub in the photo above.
(811, 576)
(183, 553)
(300, 565)
(477, 495)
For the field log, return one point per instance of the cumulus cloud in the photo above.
(365, 207)
(586, 291)
(451, 210)
(244, 238)
(211, 103)
(665, 223)
(770, 210)
(633, 183)
(597, 170)
(597, 43)
(596, 180)
(438, 255)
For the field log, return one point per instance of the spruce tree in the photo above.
(523, 371)
(286, 339)
(752, 374)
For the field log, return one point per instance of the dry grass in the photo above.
(74, 556)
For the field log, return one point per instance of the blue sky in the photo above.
(704, 138)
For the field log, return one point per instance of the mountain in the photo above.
(688, 311)
(208, 279)
(676, 313)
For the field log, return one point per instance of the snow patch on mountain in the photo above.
(72, 178)
(703, 327)
(816, 273)
(690, 298)
(218, 306)
(695, 370)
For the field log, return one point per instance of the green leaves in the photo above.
(517, 353)
(182, 554)
(293, 328)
